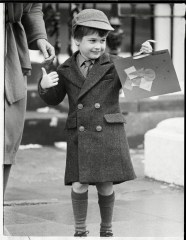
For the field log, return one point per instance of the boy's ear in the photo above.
(77, 42)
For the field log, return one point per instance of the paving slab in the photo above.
(37, 204)
(138, 218)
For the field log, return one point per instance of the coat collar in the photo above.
(81, 60)
(105, 58)
(101, 66)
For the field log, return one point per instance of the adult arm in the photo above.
(34, 26)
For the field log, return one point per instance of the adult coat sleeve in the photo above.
(34, 25)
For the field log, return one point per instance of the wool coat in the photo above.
(24, 25)
(97, 147)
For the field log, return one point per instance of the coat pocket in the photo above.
(115, 118)
(71, 123)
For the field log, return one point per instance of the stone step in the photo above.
(44, 128)
(166, 142)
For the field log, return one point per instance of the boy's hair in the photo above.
(80, 31)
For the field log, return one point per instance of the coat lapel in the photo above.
(97, 72)
(72, 72)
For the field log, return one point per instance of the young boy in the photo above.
(97, 148)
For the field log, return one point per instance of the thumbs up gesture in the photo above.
(49, 80)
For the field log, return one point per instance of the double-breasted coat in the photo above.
(97, 147)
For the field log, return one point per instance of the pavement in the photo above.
(37, 204)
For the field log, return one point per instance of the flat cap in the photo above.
(92, 18)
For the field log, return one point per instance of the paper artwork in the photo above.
(142, 78)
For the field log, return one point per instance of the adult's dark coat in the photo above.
(97, 148)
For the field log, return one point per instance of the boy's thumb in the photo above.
(44, 71)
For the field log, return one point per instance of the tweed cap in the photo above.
(92, 18)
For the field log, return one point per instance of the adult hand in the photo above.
(47, 50)
(49, 80)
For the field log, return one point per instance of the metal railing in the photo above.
(134, 16)
(132, 12)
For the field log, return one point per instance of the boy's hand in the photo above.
(49, 80)
(146, 47)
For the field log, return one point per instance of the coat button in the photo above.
(97, 105)
(80, 106)
(99, 128)
(81, 128)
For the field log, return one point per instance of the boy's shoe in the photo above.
(81, 234)
(106, 234)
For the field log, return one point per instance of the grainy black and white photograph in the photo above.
(92, 120)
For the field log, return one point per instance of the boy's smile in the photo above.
(91, 46)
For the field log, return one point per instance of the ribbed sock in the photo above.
(106, 205)
(79, 205)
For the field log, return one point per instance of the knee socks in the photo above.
(106, 205)
(79, 205)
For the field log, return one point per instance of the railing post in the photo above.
(172, 28)
(152, 21)
(133, 27)
(162, 26)
(179, 42)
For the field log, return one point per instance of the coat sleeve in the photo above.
(114, 57)
(34, 25)
(55, 95)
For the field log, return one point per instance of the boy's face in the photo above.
(91, 46)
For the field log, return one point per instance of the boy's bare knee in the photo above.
(105, 188)
(79, 188)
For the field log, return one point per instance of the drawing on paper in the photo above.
(142, 78)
